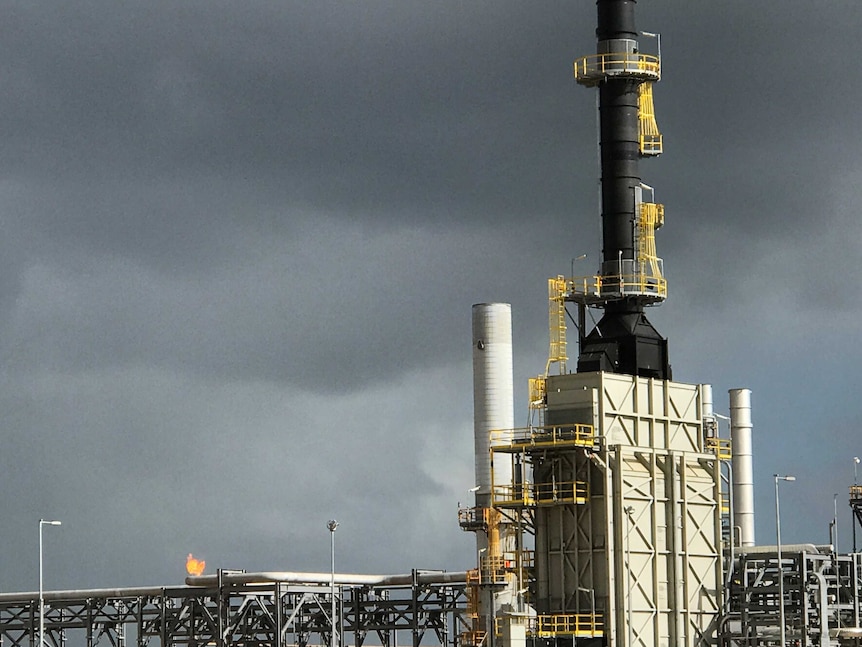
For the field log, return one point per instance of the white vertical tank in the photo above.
(743, 468)
(493, 403)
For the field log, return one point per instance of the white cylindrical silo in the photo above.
(493, 404)
(493, 410)
(743, 467)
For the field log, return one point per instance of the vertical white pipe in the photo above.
(706, 407)
(743, 468)
(493, 404)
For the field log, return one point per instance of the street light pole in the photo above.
(781, 618)
(855, 493)
(332, 525)
(835, 523)
(42, 522)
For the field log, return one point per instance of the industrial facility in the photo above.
(622, 515)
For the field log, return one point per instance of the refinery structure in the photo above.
(620, 516)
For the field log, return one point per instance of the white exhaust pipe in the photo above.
(743, 468)
(706, 407)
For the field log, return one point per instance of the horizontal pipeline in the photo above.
(267, 577)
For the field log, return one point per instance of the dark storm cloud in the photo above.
(241, 240)
(366, 108)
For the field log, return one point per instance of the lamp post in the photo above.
(855, 493)
(629, 510)
(42, 522)
(781, 619)
(835, 522)
(332, 524)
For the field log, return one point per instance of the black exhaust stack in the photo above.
(631, 276)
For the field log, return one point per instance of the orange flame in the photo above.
(195, 566)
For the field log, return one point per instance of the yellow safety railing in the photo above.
(721, 447)
(492, 570)
(651, 218)
(540, 494)
(550, 436)
(590, 70)
(557, 324)
(855, 492)
(472, 519)
(571, 624)
(471, 638)
(650, 137)
(602, 288)
(536, 387)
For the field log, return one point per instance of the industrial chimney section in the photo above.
(743, 469)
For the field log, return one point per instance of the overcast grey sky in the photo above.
(239, 243)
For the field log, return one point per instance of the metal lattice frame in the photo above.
(268, 614)
(822, 596)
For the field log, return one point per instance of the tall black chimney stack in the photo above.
(631, 275)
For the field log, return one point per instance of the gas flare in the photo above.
(195, 566)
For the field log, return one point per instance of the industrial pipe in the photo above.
(212, 581)
(743, 467)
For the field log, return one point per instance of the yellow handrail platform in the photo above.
(581, 625)
(540, 494)
(721, 447)
(575, 434)
(591, 70)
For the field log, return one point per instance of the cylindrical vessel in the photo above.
(743, 468)
(493, 404)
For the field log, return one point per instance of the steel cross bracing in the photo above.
(272, 614)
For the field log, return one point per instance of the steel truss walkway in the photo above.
(271, 612)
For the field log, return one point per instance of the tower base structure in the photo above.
(622, 490)
(624, 341)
